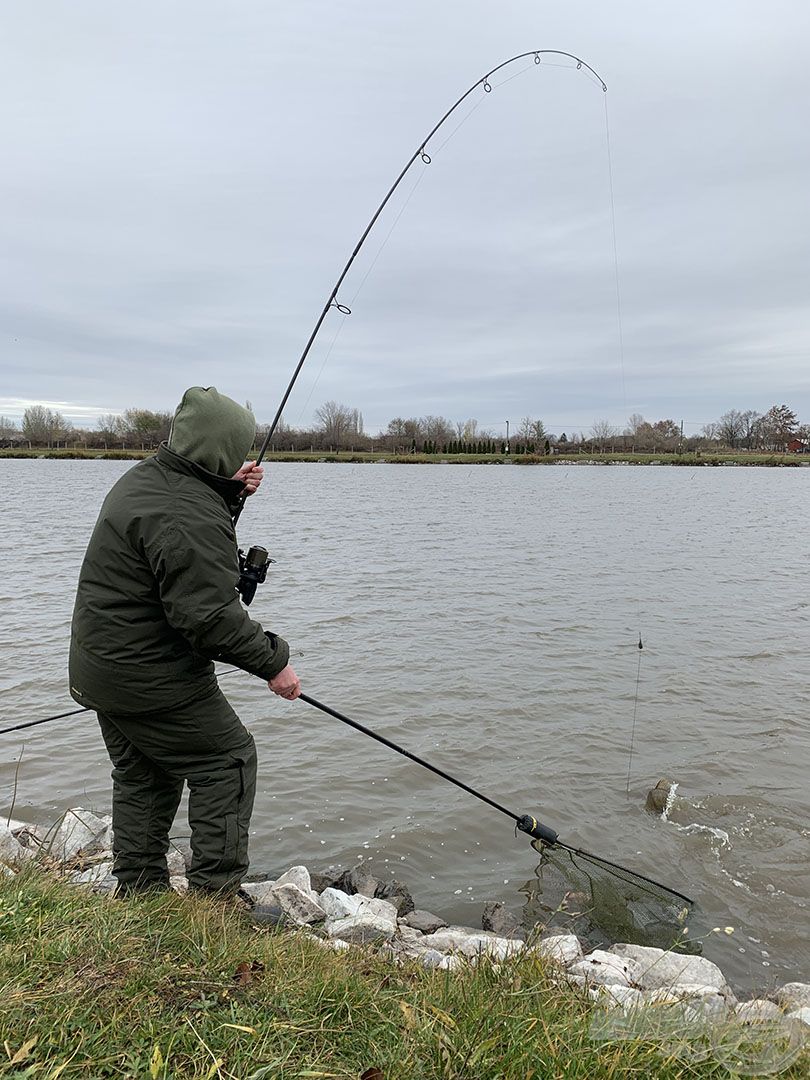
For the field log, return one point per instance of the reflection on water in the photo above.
(487, 619)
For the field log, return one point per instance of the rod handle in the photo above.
(532, 826)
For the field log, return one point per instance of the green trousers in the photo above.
(203, 743)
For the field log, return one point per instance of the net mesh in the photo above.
(602, 902)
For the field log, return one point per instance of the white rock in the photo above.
(668, 969)
(561, 948)
(606, 969)
(381, 908)
(6, 871)
(361, 929)
(672, 995)
(338, 904)
(335, 944)
(625, 998)
(705, 1007)
(99, 877)
(79, 832)
(471, 943)
(12, 853)
(792, 996)
(431, 958)
(750, 1012)
(298, 905)
(258, 891)
(299, 876)
(450, 963)
(802, 1014)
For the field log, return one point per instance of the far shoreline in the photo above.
(357, 457)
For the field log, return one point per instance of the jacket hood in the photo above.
(212, 430)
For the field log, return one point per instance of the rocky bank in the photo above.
(355, 910)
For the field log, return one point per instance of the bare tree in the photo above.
(709, 432)
(336, 422)
(730, 427)
(637, 425)
(602, 431)
(41, 425)
(8, 428)
(749, 425)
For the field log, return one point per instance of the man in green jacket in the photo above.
(156, 605)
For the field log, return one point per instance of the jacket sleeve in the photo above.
(196, 577)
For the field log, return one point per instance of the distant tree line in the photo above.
(340, 427)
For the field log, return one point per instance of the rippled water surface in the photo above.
(487, 618)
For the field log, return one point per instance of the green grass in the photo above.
(171, 988)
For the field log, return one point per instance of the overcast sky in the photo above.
(182, 182)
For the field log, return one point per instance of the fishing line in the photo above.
(635, 712)
(421, 151)
(363, 280)
(620, 333)
(76, 712)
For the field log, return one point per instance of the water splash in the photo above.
(669, 803)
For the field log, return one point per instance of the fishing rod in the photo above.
(541, 834)
(526, 823)
(254, 563)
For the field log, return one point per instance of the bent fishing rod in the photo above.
(421, 153)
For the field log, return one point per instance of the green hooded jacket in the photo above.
(156, 600)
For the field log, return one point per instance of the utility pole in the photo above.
(507, 436)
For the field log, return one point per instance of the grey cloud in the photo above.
(183, 183)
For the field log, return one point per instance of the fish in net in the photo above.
(603, 902)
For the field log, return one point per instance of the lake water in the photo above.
(487, 618)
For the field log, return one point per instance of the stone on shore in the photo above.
(298, 905)
(372, 921)
(298, 876)
(794, 995)
(472, 943)
(615, 996)
(338, 904)
(365, 928)
(607, 969)
(657, 968)
(12, 853)
(98, 877)
(751, 1012)
(79, 833)
(397, 894)
(500, 920)
(559, 948)
(425, 921)
(802, 1015)
(358, 880)
(258, 891)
